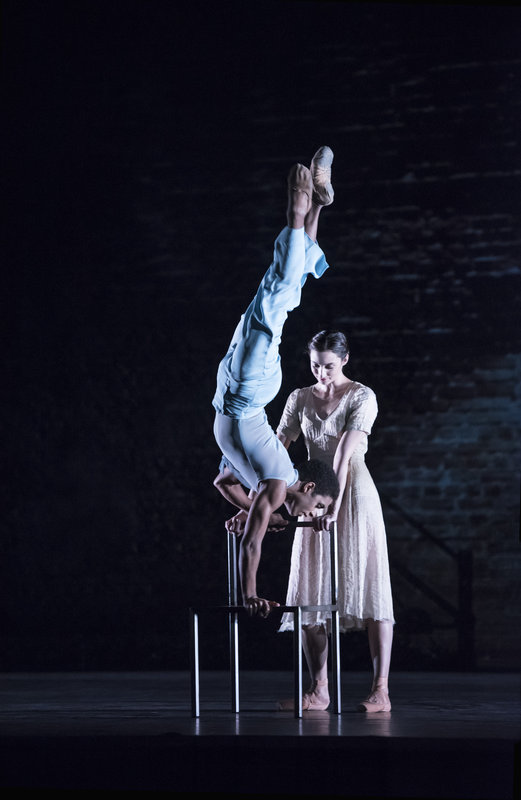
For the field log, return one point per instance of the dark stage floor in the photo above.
(449, 735)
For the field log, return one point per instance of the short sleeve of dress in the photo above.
(362, 412)
(289, 425)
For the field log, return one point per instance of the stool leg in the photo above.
(194, 661)
(233, 621)
(335, 641)
(297, 661)
(234, 660)
(335, 663)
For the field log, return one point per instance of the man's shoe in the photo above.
(320, 169)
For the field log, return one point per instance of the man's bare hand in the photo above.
(237, 523)
(324, 522)
(257, 605)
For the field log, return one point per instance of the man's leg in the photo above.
(255, 364)
(300, 193)
(249, 376)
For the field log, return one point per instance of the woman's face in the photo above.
(326, 366)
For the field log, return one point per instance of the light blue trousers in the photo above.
(249, 376)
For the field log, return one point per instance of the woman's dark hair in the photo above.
(335, 341)
(323, 476)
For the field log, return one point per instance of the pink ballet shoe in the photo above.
(320, 169)
(311, 700)
(378, 700)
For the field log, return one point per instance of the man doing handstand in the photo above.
(249, 377)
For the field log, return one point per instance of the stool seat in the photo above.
(238, 609)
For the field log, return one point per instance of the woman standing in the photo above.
(335, 415)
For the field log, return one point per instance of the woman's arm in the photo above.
(345, 449)
(284, 439)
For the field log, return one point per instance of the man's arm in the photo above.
(270, 496)
(232, 490)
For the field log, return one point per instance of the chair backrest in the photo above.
(233, 598)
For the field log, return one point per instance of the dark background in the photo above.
(145, 162)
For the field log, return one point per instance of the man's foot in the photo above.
(320, 168)
(300, 191)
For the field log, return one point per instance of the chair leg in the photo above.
(234, 660)
(194, 662)
(297, 661)
(335, 663)
(335, 640)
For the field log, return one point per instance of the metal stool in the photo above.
(233, 610)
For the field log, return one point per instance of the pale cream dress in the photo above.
(364, 585)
